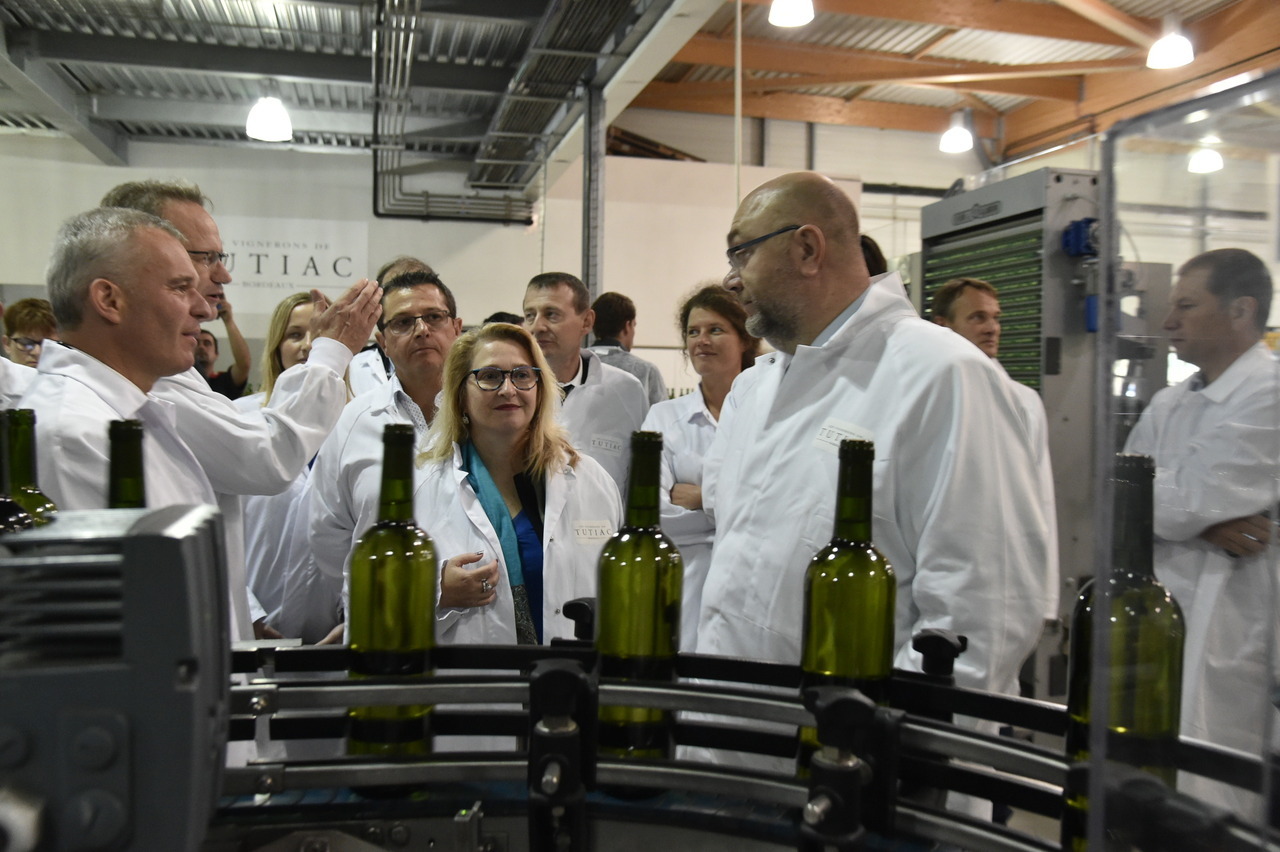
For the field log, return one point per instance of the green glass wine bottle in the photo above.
(126, 486)
(20, 424)
(391, 623)
(1144, 671)
(638, 617)
(849, 597)
(12, 516)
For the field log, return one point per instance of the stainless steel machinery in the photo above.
(1033, 237)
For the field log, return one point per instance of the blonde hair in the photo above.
(272, 366)
(547, 445)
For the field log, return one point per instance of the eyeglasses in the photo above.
(26, 344)
(210, 258)
(401, 326)
(491, 378)
(737, 259)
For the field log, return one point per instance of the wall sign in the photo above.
(272, 258)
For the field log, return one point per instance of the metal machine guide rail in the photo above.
(886, 769)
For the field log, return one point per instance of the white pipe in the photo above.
(737, 104)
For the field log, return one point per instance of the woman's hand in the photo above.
(687, 496)
(467, 587)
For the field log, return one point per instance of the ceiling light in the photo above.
(957, 139)
(790, 13)
(1172, 50)
(269, 121)
(1204, 161)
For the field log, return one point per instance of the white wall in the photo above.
(664, 222)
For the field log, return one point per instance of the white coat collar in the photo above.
(1256, 357)
(460, 475)
(114, 389)
(882, 300)
(695, 409)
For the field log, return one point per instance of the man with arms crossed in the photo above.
(1215, 439)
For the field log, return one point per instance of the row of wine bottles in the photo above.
(23, 505)
(849, 600)
(848, 631)
(849, 604)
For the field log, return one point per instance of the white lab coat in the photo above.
(648, 374)
(602, 412)
(367, 372)
(688, 430)
(342, 501)
(1217, 456)
(275, 544)
(583, 509)
(261, 451)
(75, 397)
(956, 503)
(14, 379)
(1034, 417)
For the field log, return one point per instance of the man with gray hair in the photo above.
(260, 451)
(128, 306)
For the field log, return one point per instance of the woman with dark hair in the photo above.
(718, 346)
(504, 488)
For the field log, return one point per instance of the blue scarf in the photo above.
(481, 482)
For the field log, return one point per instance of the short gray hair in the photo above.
(96, 244)
(151, 196)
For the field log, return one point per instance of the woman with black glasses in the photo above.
(522, 512)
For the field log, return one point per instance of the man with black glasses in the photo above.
(418, 326)
(957, 511)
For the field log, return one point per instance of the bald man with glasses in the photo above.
(957, 511)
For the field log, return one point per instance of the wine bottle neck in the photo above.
(396, 500)
(22, 453)
(643, 504)
(126, 484)
(1131, 548)
(853, 499)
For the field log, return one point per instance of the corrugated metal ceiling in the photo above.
(489, 85)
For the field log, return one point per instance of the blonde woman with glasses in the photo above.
(522, 512)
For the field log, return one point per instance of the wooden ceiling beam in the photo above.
(943, 35)
(831, 64)
(1068, 89)
(1236, 40)
(1050, 88)
(973, 73)
(825, 110)
(1011, 16)
(1139, 31)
